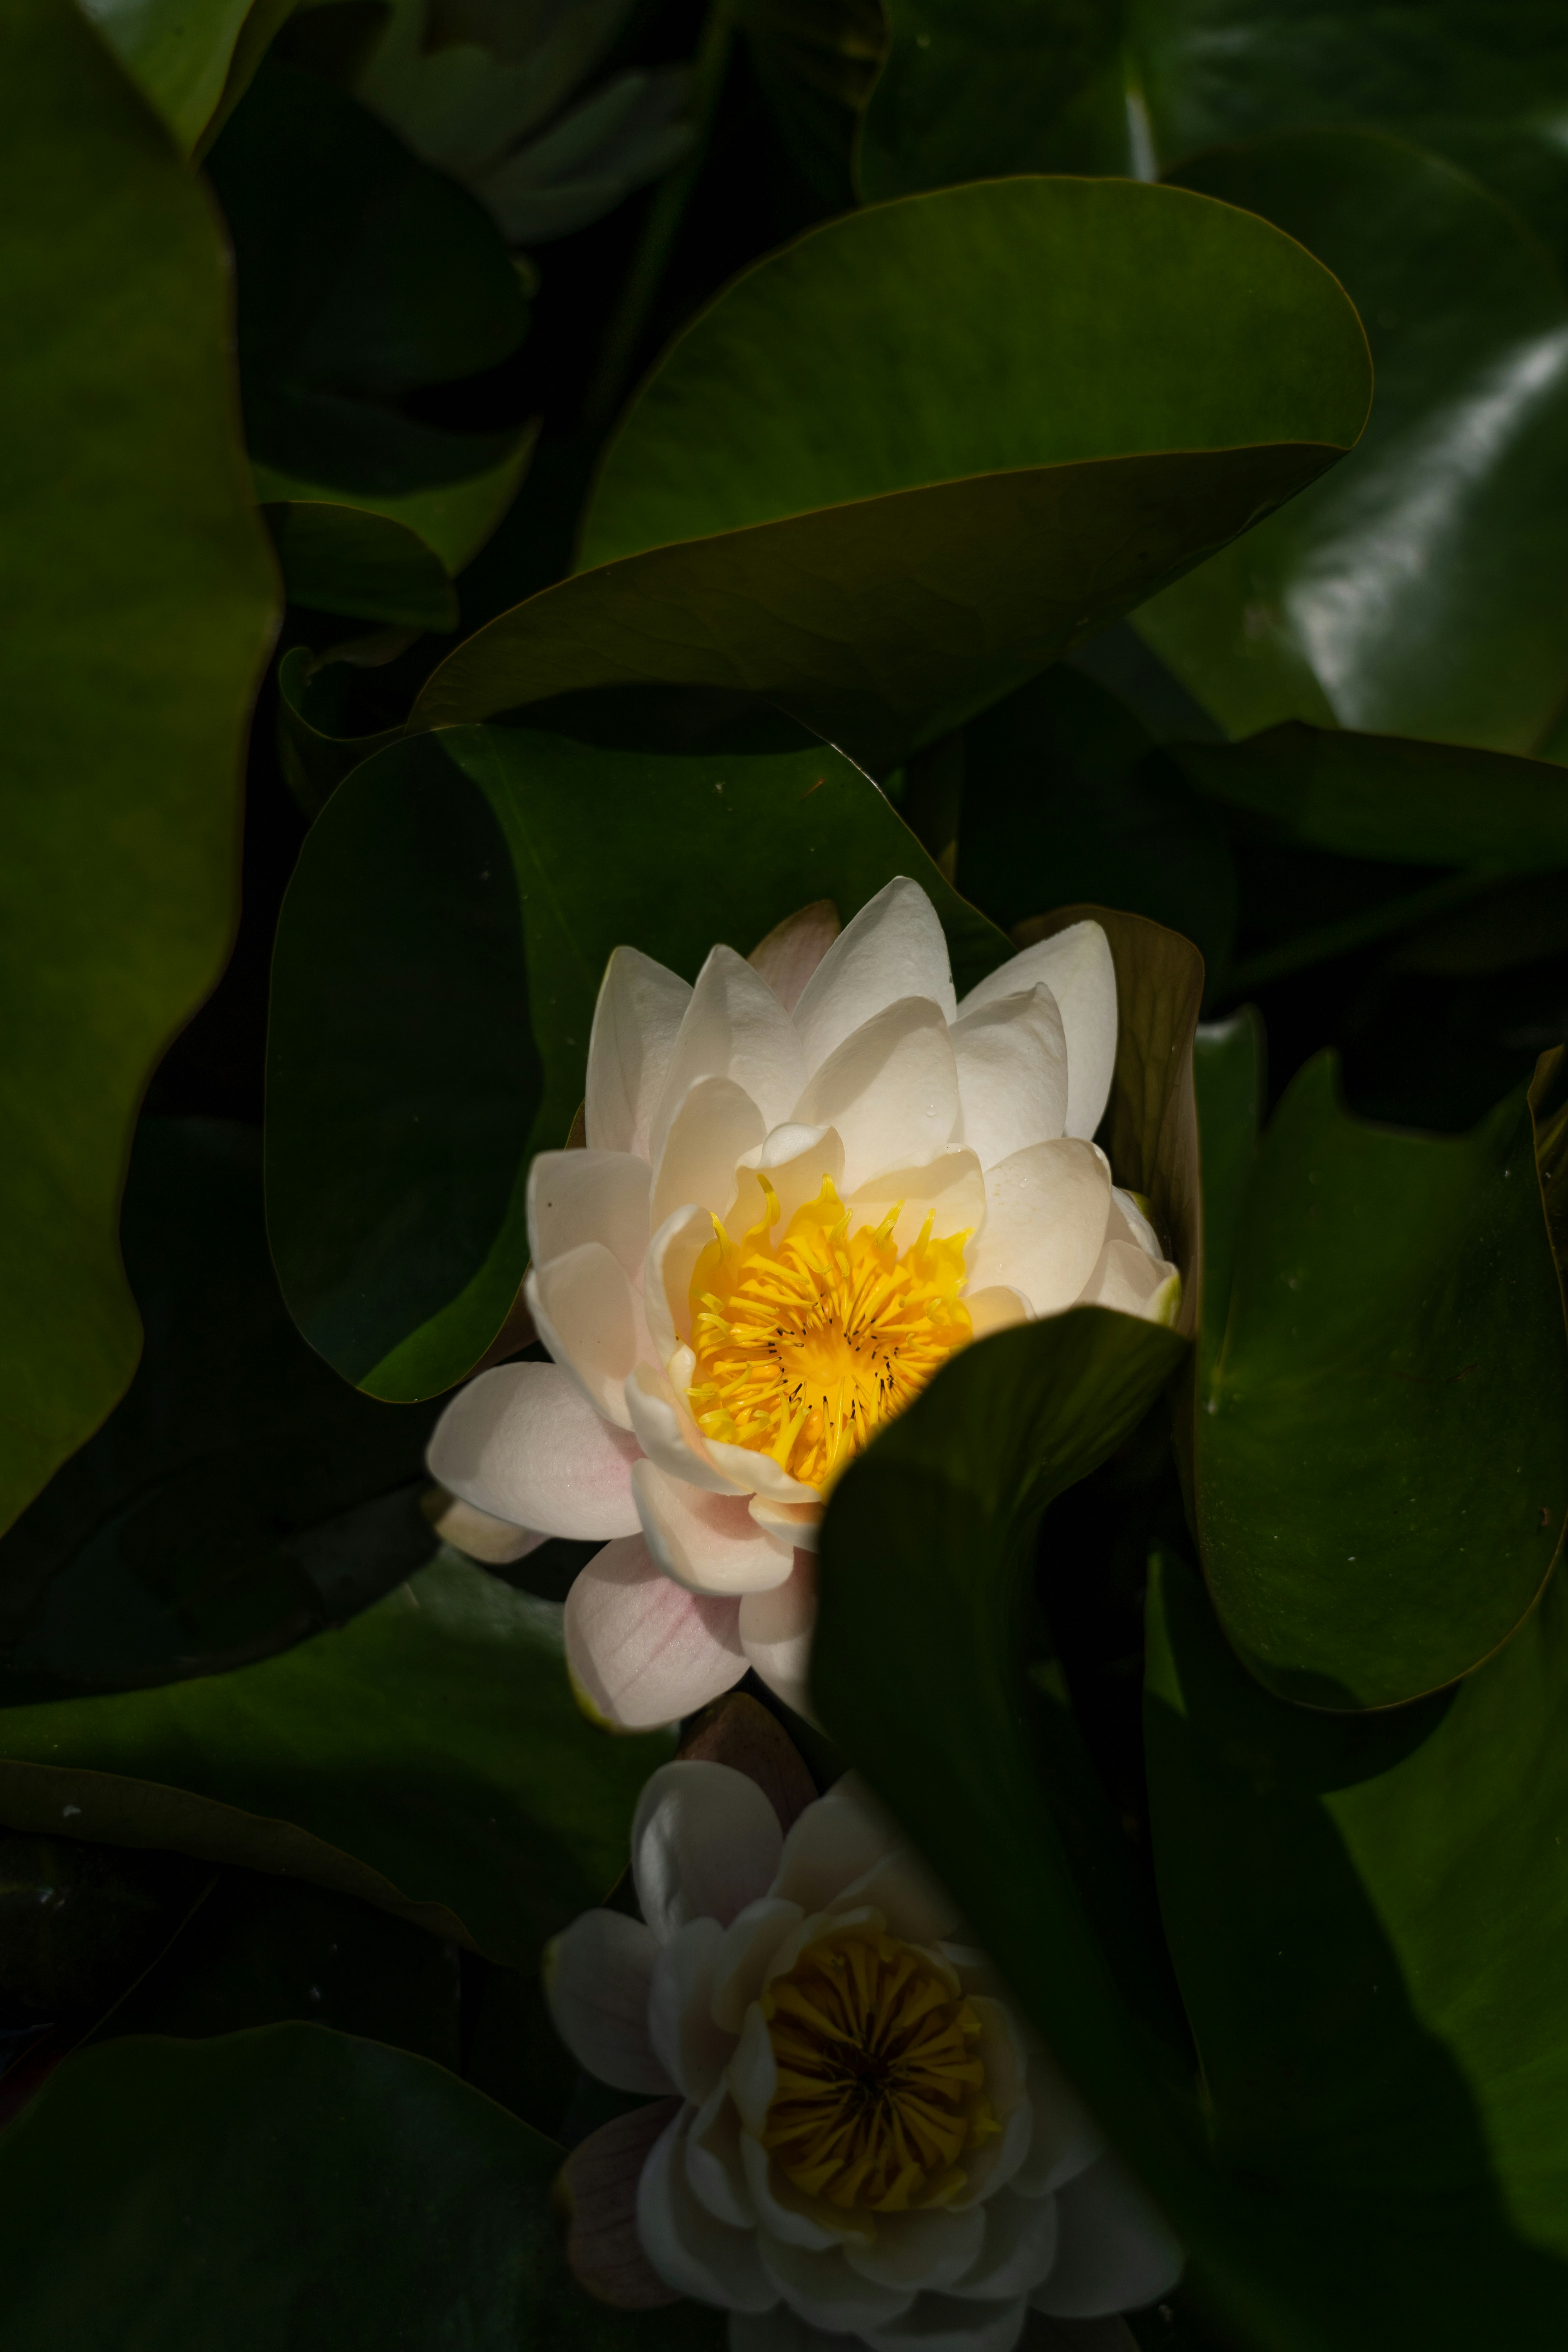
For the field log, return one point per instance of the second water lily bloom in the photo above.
(808, 1180)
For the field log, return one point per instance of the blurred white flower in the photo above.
(808, 1180)
(857, 2136)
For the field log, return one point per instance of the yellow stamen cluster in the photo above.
(804, 1346)
(880, 2083)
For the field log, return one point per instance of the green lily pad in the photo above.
(192, 63)
(897, 468)
(143, 602)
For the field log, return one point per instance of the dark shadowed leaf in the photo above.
(192, 63)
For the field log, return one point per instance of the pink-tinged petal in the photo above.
(1126, 1281)
(715, 1126)
(836, 1844)
(1019, 2248)
(996, 1308)
(1065, 2140)
(599, 2182)
(589, 1196)
(1047, 1210)
(1012, 1073)
(691, 2251)
(735, 1028)
(920, 2250)
(890, 1090)
(705, 1842)
(636, 1022)
(1115, 2251)
(671, 1263)
(1077, 967)
(597, 1977)
(794, 1527)
(479, 1536)
(792, 950)
(522, 1442)
(642, 1651)
(664, 1427)
(950, 1189)
(775, 1630)
(693, 2050)
(713, 2162)
(797, 1160)
(591, 1320)
(708, 1542)
(941, 2323)
(895, 947)
(823, 2288)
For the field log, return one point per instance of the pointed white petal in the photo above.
(1125, 1279)
(735, 1028)
(793, 1527)
(949, 1188)
(636, 1022)
(792, 950)
(751, 1940)
(894, 947)
(1114, 2253)
(479, 1535)
(1012, 1073)
(690, 2249)
(591, 1319)
(890, 1089)
(693, 2051)
(1046, 1214)
(671, 1261)
(705, 1842)
(716, 1124)
(596, 1982)
(641, 1650)
(835, 1843)
(1019, 2248)
(928, 2250)
(753, 2079)
(1128, 1224)
(796, 1158)
(899, 1886)
(775, 1630)
(663, 1425)
(996, 1308)
(589, 1196)
(710, 1543)
(823, 2288)
(1077, 967)
(713, 2162)
(522, 1442)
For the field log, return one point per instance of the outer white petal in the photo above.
(691, 2048)
(1012, 1073)
(1128, 1224)
(596, 1982)
(794, 1527)
(636, 1022)
(996, 1308)
(662, 1422)
(1077, 967)
(792, 950)
(795, 1158)
(920, 2250)
(1115, 2251)
(522, 1442)
(715, 1125)
(479, 1535)
(949, 1188)
(898, 1885)
(589, 1196)
(710, 1543)
(713, 2161)
(1019, 2248)
(894, 947)
(775, 1631)
(1047, 1210)
(1123, 1278)
(939, 2323)
(689, 2248)
(671, 1263)
(824, 2289)
(890, 1089)
(833, 1844)
(641, 1650)
(705, 1842)
(591, 1319)
(751, 1940)
(735, 1028)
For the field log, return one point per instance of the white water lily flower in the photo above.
(857, 2136)
(808, 1180)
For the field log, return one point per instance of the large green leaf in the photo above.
(192, 59)
(1366, 1919)
(898, 467)
(1382, 1439)
(289, 2186)
(429, 1756)
(1421, 591)
(140, 599)
(438, 958)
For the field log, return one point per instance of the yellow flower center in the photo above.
(805, 1346)
(880, 2084)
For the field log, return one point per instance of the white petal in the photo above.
(522, 1442)
(759, 1472)
(950, 1189)
(636, 1022)
(479, 1535)
(705, 1842)
(920, 2250)
(793, 1526)
(589, 1196)
(995, 1308)
(775, 1631)
(734, 1028)
(1045, 1216)
(792, 950)
(824, 2289)
(662, 1422)
(940, 2322)
(1077, 967)
(898, 1885)
(890, 1089)
(641, 1650)
(1124, 1279)
(710, 1543)
(1019, 2248)
(714, 1125)
(797, 1160)
(1115, 2251)
(713, 2162)
(689, 2248)
(691, 2048)
(672, 1262)
(1065, 2140)
(894, 947)
(751, 1940)
(596, 1982)
(753, 2079)
(1012, 1073)
(782, 2215)
(591, 1320)
(835, 1843)
(1128, 1224)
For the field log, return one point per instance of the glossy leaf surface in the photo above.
(1420, 591)
(1027, 403)
(429, 1756)
(1383, 1442)
(438, 961)
(140, 596)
